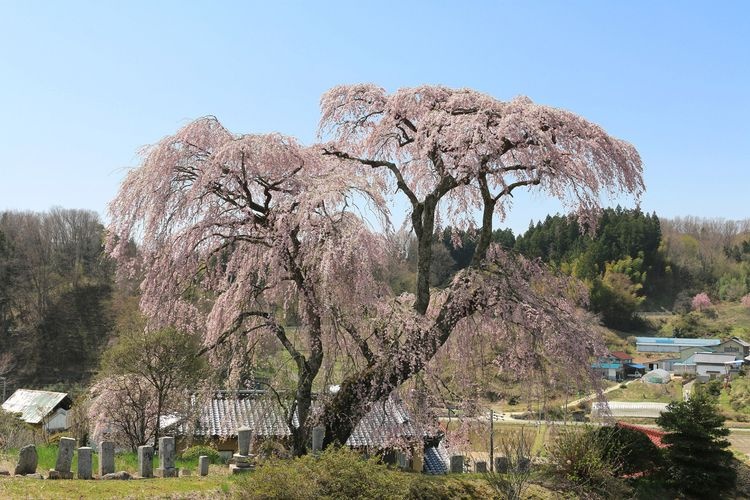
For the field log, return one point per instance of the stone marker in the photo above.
(166, 458)
(417, 462)
(318, 434)
(146, 461)
(27, 460)
(501, 464)
(524, 464)
(65, 452)
(84, 463)
(106, 458)
(480, 466)
(117, 475)
(203, 465)
(457, 464)
(244, 434)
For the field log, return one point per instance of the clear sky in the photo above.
(84, 85)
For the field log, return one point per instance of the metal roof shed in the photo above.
(40, 407)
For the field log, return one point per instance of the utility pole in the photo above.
(492, 440)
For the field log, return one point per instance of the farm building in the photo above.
(716, 365)
(671, 344)
(735, 346)
(44, 409)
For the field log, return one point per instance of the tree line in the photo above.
(57, 296)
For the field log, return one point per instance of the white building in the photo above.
(716, 365)
(45, 409)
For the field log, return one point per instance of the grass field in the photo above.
(212, 486)
(639, 391)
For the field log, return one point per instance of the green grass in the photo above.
(212, 486)
(47, 456)
(643, 391)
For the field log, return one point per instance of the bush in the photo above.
(633, 450)
(14, 432)
(335, 473)
(194, 452)
(343, 474)
(578, 457)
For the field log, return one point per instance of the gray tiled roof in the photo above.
(386, 422)
(436, 459)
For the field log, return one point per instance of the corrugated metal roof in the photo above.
(714, 358)
(386, 422)
(33, 405)
(677, 341)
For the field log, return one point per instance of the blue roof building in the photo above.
(671, 344)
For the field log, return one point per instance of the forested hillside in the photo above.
(56, 296)
(59, 302)
(632, 262)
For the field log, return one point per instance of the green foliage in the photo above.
(583, 458)
(733, 287)
(739, 395)
(338, 473)
(698, 462)
(345, 474)
(192, 454)
(633, 450)
(14, 432)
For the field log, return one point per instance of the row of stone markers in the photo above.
(28, 461)
(501, 465)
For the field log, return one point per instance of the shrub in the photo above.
(194, 452)
(632, 450)
(578, 457)
(335, 473)
(343, 474)
(14, 432)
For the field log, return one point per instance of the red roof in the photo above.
(654, 435)
(621, 355)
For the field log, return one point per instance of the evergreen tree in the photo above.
(698, 462)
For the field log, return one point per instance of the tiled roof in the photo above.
(621, 355)
(386, 422)
(224, 414)
(436, 459)
(654, 435)
(34, 406)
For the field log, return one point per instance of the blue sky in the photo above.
(84, 85)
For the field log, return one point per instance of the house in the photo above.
(613, 366)
(671, 344)
(670, 362)
(43, 409)
(385, 429)
(735, 346)
(716, 365)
